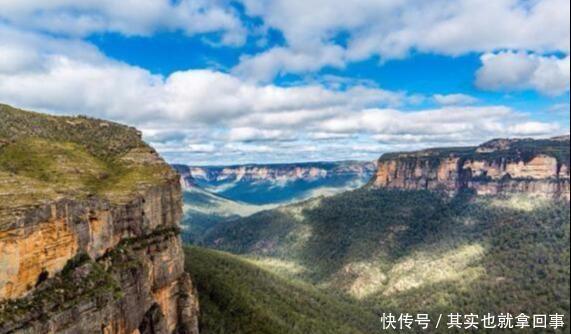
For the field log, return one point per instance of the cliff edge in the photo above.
(89, 236)
(498, 166)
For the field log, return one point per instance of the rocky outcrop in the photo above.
(187, 180)
(86, 258)
(499, 166)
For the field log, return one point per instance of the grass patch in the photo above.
(73, 157)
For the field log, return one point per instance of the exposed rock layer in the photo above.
(500, 166)
(309, 171)
(87, 261)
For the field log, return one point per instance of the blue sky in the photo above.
(226, 82)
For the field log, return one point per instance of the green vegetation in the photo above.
(44, 157)
(414, 251)
(494, 151)
(237, 296)
(156, 236)
(103, 139)
(204, 210)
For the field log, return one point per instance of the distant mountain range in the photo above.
(278, 183)
(214, 194)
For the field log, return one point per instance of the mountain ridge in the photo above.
(276, 183)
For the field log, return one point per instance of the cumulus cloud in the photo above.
(454, 99)
(509, 71)
(116, 90)
(251, 134)
(189, 96)
(202, 116)
(278, 61)
(392, 29)
(129, 17)
(468, 123)
(320, 33)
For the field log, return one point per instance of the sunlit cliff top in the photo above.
(511, 149)
(45, 158)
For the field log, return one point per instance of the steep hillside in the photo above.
(236, 296)
(216, 195)
(89, 235)
(417, 251)
(203, 210)
(281, 183)
(498, 166)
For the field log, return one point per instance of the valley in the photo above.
(285, 167)
(104, 236)
(214, 195)
(437, 242)
(376, 251)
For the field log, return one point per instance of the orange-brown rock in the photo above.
(82, 250)
(27, 253)
(504, 165)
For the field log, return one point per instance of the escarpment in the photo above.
(308, 171)
(499, 166)
(89, 236)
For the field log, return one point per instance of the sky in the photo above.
(215, 82)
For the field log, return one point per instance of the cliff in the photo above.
(187, 180)
(89, 235)
(307, 171)
(499, 166)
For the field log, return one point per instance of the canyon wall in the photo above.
(538, 167)
(309, 171)
(77, 257)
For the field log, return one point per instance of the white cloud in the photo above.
(509, 71)
(14, 59)
(394, 28)
(209, 116)
(321, 33)
(201, 148)
(109, 88)
(129, 17)
(251, 134)
(188, 92)
(278, 61)
(469, 123)
(329, 135)
(560, 108)
(454, 99)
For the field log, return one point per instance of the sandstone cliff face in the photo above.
(310, 171)
(98, 261)
(500, 166)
